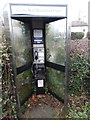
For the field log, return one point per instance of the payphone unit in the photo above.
(38, 55)
(38, 59)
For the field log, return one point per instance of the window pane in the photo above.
(21, 43)
(55, 80)
(25, 85)
(55, 41)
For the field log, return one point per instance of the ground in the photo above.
(43, 106)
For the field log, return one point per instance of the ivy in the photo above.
(79, 69)
(8, 99)
(79, 84)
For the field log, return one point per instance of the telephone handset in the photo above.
(36, 55)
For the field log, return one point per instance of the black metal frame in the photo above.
(23, 68)
(55, 66)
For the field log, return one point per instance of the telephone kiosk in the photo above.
(36, 16)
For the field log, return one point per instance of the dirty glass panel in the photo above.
(25, 85)
(21, 43)
(55, 80)
(55, 41)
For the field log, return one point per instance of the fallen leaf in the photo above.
(33, 97)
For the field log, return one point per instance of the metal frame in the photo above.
(55, 66)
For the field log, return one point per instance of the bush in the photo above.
(79, 84)
(77, 35)
(79, 70)
(80, 111)
(88, 35)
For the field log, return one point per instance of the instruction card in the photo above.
(40, 83)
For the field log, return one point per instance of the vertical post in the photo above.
(89, 29)
(66, 71)
(89, 19)
(1, 40)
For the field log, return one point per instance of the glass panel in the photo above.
(55, 41)
(21, 43)
(56, 82)
(25, 85)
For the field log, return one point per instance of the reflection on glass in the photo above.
(56, 82)
(25, 85)
(21, 43)
(55, 41)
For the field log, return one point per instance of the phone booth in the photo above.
(38, 58)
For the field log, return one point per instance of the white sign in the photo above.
(38, 10)
(40, 83)
(37, 33)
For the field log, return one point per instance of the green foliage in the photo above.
(78, 72)
(77, 35)
(79, 85)
(88, 35)
(8, 86)
(80, 112)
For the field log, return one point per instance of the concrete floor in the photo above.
(38, 112)
(53, 109)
